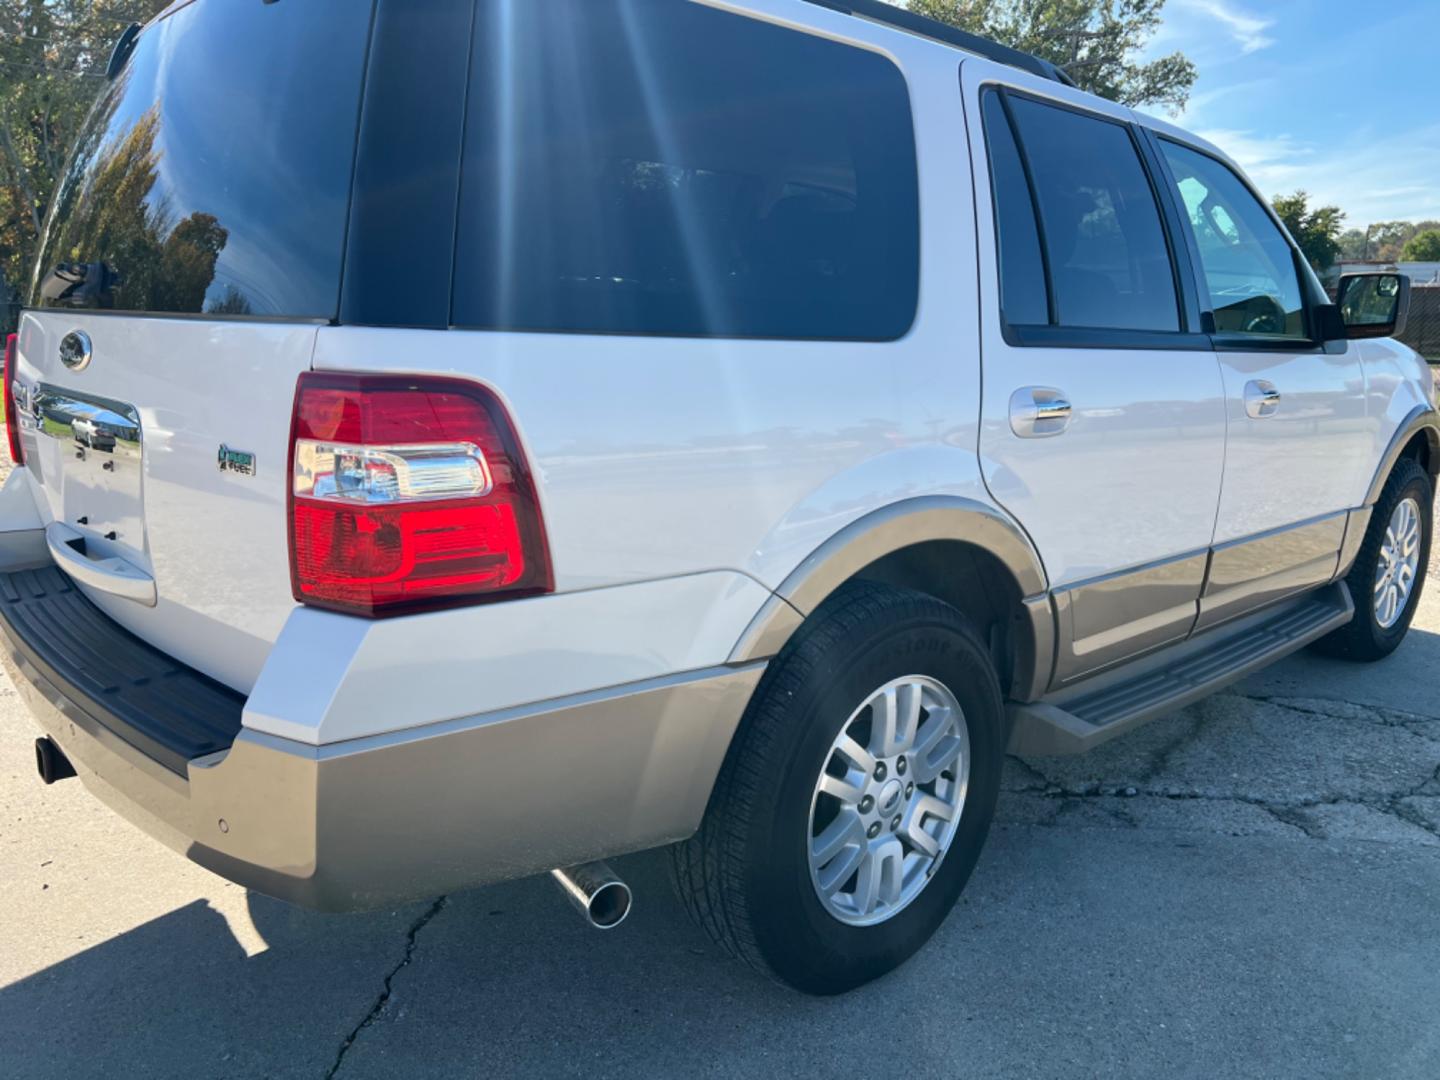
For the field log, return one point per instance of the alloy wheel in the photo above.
(1399, 563)
(888, 800)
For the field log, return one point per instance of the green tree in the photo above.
(164, 264)
(1387, 238)
(52, 61)
(1092, 41)
(1422, 247)
(1317, 231)
(1352, 244)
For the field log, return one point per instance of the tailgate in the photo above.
(149, 489)
(195, 246)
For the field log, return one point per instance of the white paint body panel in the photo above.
(1314, 456)
(662, 456)
(332, 677)
(215, 542)
(1135, 477)
(1397, 381)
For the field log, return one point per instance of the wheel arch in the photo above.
(959, 550)
(1418, 437)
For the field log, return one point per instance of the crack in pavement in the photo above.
(383, 999)
(1377, 714)
(1040, 778)
(1290, 812)
(1162, 756)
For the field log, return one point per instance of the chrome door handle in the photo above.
(1261, 399)
(1039, 411)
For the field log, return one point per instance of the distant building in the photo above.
(1420, 273)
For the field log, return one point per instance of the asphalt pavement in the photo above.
(1250, 887)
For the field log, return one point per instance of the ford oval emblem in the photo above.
(75, 350)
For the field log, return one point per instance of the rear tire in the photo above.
(749, 877)
(1376, 630)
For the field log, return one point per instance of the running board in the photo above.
(1084, 716)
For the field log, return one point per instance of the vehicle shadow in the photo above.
(1404, 681)
(1117, 951)
(178, 996)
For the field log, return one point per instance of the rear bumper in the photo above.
(393, 817)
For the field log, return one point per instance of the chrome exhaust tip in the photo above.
(597, 893)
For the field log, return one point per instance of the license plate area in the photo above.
(91, 449)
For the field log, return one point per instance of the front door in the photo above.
(1103, 411)
(1299, 451)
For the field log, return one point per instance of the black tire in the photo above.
(745, 876)
(1363, 638)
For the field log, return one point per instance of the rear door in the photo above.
(1300, 447)
(198, 235)
(1103, 418)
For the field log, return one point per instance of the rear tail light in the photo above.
(12, 410)
(408, 494)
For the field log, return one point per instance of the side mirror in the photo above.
(1373, 305)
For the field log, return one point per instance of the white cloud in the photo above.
(1371, 177)
(1203, 102)
(1247, 30)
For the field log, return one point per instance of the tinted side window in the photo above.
(1023, 297)
(1249, 267)
(652, 167)
(213, 175)
(1109, 263)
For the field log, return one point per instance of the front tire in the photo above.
(856, 796)
(1389, 571)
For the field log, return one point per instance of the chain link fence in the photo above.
(1422, 332)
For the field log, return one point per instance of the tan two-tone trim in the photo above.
(390, 818)
(1258, 570)
(1113, 618)
(893, 528)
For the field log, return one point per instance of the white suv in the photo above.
(463, 439)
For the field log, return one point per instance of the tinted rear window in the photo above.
(653, 167)
(213, 176)
(1108, 260)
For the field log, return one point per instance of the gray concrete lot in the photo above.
(1250, 887)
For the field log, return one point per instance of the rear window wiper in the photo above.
(80, 285)
(123, 48)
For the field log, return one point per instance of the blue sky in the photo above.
(1339, 97)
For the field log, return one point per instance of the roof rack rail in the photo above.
(903, 19)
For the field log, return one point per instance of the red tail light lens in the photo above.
(12, 410)
(409, 494)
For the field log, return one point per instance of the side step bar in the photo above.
(1076, 719)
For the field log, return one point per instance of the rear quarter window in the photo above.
(1107, 255)
(652, 167)
(213, 175)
